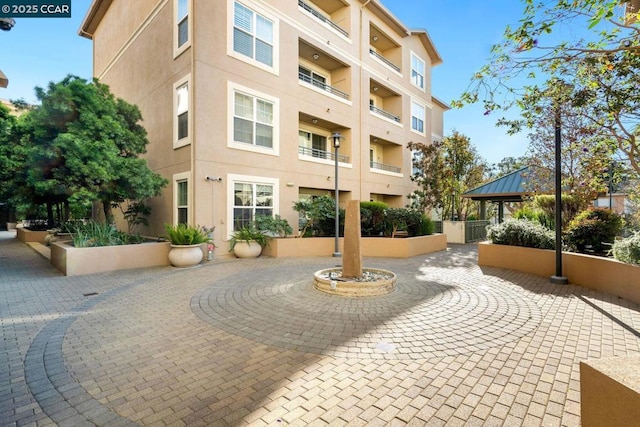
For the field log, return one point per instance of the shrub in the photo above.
(628, 249)
(372, 218)
(546, 203)
(183, 234)
(534, 215)
(424, 226)
(93, 234)
(275, 226)
(592, 229)
(518, 232)
(318, 216)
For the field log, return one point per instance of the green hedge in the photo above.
(519, 232)
(628, 249)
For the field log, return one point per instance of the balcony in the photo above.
(383, 167)
(384, 102)
(384, 156)
(335, 7)
(323, 72)
(385, 49)
(321, 154)
(307, 76)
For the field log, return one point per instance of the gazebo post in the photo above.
(483, 209)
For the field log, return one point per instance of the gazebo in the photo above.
(511, 187)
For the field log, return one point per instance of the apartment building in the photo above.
(241, 99)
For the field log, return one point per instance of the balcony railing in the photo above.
(385, 60)
(321, 154)
(384, 113)
(322, 18)
(383, 167)
(322, 85)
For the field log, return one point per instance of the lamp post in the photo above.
(558, 278)
(336, 145)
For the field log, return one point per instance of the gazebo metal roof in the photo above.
(508, 188)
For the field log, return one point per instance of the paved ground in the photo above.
(250, 342)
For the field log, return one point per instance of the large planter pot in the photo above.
(247, 249)
(185, 255)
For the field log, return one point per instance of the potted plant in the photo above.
(248, 242)
(186, 241)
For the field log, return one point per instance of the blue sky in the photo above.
(39, 50)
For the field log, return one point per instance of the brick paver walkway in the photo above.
(250, 342)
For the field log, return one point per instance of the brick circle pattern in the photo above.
(433, 315)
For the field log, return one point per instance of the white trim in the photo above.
(255, 8)
(232, 88)
(232, 179)
(388, 173)
(177, 51)
(186, 80)
(183, 176)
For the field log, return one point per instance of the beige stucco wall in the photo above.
(610, 392)
(602, 274)
(134, 55)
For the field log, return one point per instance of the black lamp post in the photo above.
(336, 145)
(558, 278)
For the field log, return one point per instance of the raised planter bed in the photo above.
(371, 246)
(74, 261)
(593, 272)
(26, 236)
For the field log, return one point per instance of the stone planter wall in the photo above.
(598, 273)
(371, 246)
(74, 261)
(26, 235)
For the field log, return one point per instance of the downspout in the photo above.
(361, 65)
(192, 109)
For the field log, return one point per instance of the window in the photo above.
(181, 198)
(313, 144)
(253, 35)
(253, 121)
(417, 117)
(250, 196)
(181, 112)
(181, 36)
(417, 71)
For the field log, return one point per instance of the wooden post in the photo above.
(352, 257)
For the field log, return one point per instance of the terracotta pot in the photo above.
(247, 249)
(185, 255)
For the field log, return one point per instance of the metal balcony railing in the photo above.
(383, 167)
(322, 85)
(322, 18)
(384, 113)
(321, 154)
(385, 60)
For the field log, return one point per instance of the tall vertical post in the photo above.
(558, 278)
(336, 144)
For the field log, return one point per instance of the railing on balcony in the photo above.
(384, 113)
(383, 167)
(385, 60)
(322, 18)
(322, 85)
(321, 154)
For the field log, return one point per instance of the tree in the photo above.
(83, 145)
(508, 165)
(443, 172)
(604, 66)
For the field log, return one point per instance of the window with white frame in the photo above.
(181, 112)
(252, 196)
(253, 35)
(417, 71)
(181, 198)
(417, 117)
(182, 39)
(253, 121)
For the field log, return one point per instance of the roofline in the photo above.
(440, 102)
(391, 20)
(92, 19)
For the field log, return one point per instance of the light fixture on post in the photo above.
(558, 278)
(336, 145)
